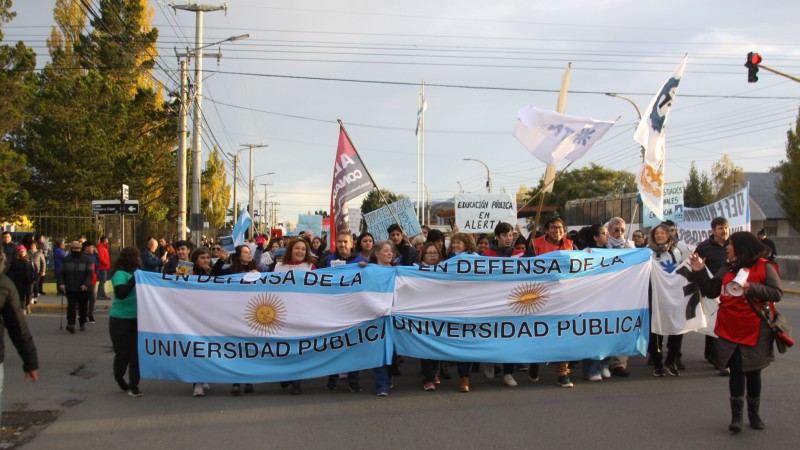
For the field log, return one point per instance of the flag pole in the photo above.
(422, 150)
(550, 172)
(419, 184)
(341, 125)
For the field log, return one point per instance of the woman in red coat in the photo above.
(745, 339)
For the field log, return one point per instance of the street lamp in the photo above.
(488, 173)
(252, 189)
(638, 111)
(460, 187)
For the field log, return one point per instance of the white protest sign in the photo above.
(673, 205)
(696, 225)
(480, 213)
(380, 219)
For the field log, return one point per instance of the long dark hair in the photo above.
(747, 248)
(236, 261)
(361, 237)
(586, 235)
(129, 260)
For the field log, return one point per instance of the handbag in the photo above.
(781, 329)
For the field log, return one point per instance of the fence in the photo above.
(136, 230)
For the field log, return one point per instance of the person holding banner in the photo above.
(364, 245)
(202, 265)
(616, 239)
(667, 256)
(744, 341)
(713, 251)
(430, 255)
(553, 240)
(384, 254)
(242, 261)
(503, 247)
(297, 257)
(344, 255)
(595, 236)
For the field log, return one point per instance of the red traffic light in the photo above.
(754, 58)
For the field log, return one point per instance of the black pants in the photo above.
(125, 340)
(654, 347)
(79, 300)
(739, 378)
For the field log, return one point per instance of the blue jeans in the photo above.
(102, 276)
(382, 378)
(593, 367)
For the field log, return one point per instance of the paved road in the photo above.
(686, 412)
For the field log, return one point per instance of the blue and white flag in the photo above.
(242, 224)
(562, 306)
(551, 136)
(265, 327)
(677, 304)
(650, 134)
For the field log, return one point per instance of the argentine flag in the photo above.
(262, 327)
(562, 306)
(241, 226)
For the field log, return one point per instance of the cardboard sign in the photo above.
(480, 213)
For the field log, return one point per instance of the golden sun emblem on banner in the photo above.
(528, 298)
(265, 314)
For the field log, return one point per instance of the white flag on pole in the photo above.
(422, 108)
(650, 134)
(552, 136)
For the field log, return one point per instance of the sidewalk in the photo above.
(52, 302)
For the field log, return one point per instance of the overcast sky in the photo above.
(503, 54)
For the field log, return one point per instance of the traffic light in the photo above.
(753, 60)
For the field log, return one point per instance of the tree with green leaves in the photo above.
(586, 182)
(374, 201)
(789, 182)
(97, 121)
(215, 192)
(18, 87)
(698, 189)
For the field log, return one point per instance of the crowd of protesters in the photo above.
(743, 347)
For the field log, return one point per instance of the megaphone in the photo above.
(735, 286)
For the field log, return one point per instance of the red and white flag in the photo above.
(350, 179)
(650, 134)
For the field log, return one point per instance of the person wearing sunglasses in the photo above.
(616, 239)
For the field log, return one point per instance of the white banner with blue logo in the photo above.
(264, 327)
(562, 306)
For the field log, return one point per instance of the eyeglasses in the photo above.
(216, 249)
(556, 228)
(618, 230)
(431, 253)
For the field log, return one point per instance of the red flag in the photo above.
(350, 179)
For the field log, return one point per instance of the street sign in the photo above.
(125, 191)
(112, 207)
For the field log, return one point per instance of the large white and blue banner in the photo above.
(562, 306)
(264, 327)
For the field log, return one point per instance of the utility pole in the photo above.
(197, 154)
(250, 209)
(235, 182)
(184, 111)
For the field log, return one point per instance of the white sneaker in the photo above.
(597, 377)
(605, 373)
(198, 390)
(489, 371)
(510, 381)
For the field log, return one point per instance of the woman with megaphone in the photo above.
(745, 339)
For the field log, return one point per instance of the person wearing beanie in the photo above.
(74, 281)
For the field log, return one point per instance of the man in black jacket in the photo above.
(75, 280)
(11, 319)
(715, 255)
